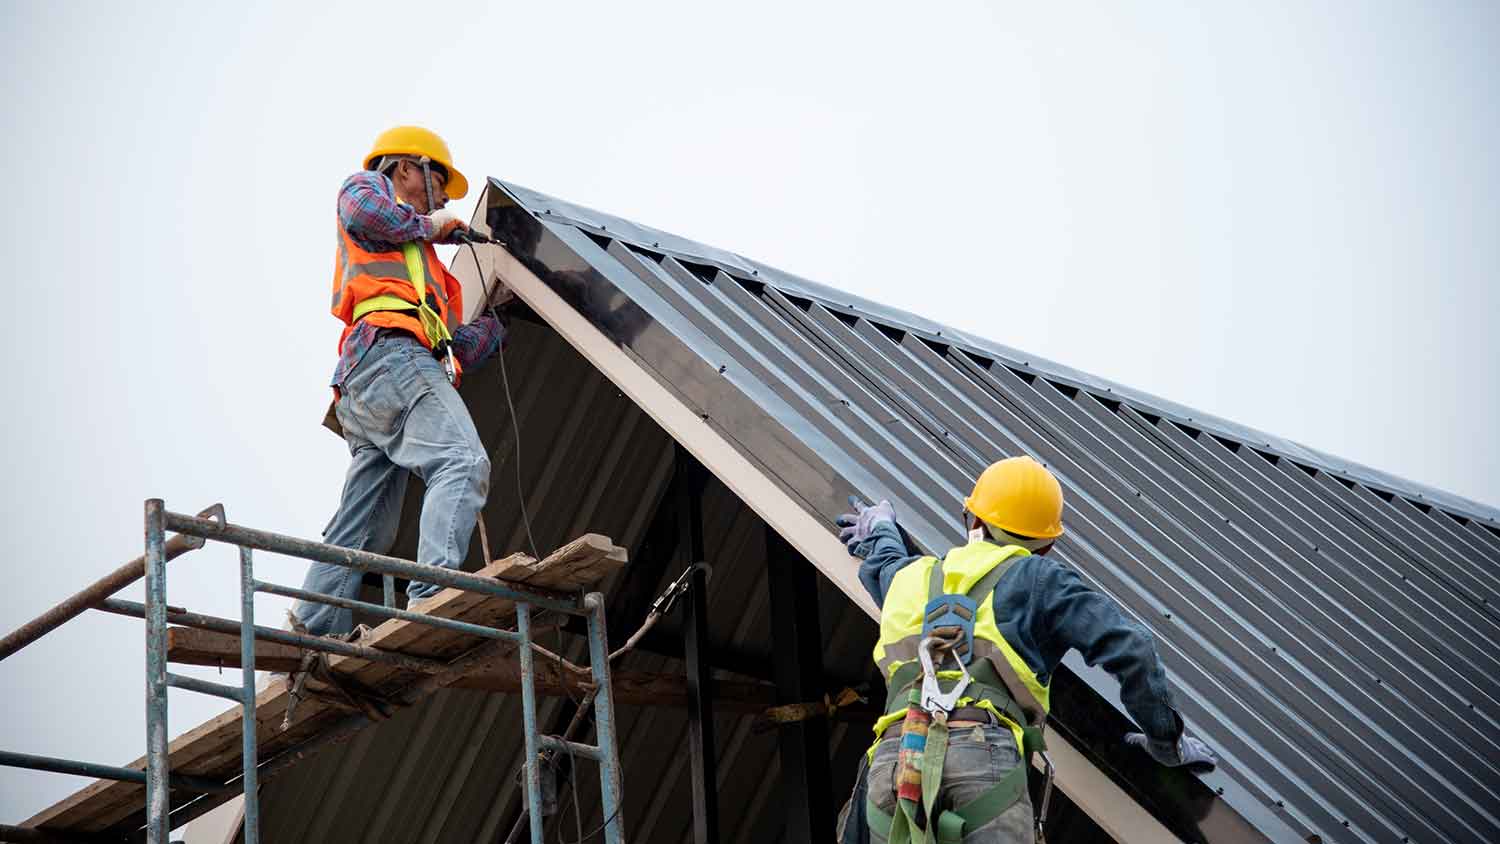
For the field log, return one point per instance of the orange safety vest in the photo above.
(360, 276)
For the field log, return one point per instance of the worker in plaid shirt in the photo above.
(400, 358)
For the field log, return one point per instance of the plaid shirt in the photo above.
(370, 212)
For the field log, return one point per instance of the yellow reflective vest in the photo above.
(1003, 683)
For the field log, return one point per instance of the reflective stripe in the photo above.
(898, 654)
(386, 302)
(378, 269)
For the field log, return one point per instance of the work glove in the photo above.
(1186, 752)
(857, 527)
(445, 222)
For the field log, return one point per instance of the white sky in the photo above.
(1284, 216)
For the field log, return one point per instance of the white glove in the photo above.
(444, 222)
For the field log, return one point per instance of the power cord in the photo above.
(579, 706)
(515, 421)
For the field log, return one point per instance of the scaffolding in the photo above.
(193, 532)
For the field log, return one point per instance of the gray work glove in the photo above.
(857, 527)
(1186, 752)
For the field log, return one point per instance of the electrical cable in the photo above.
(515, 421)
(581, 707)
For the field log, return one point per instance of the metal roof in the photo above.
(1330, 630)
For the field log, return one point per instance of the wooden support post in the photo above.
(797, 642)
(705, 794)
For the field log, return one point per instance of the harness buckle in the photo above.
(934, 699)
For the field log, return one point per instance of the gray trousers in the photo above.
(976, 760)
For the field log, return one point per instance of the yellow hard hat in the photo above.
(414, 140)
(1018, 495)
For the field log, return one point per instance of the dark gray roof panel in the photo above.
(1332, 630)
(615, 228)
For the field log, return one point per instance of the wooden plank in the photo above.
(213, 748)
(188, 646)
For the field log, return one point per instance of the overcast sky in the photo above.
(1285, 216)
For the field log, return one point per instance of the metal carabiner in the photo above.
(934, 699)
(450, 366)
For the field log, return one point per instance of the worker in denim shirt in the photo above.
(1025, 612)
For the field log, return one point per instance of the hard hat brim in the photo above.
(1051, 532)
(457, 186)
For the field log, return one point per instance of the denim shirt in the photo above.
(1044, 609)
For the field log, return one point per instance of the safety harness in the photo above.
(948, 628)
(433, 325)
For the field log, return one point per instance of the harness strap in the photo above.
(935, 580)
(432, 323)
(953, 824)
(984, 586)
(949, 826)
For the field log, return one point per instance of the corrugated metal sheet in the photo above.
(1331, 630)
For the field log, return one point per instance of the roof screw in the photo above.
(655, 243)
(547, 211)
(1273, 649)
(1168, 615)
(603, 227)
(1280, 805)
(1219, 790)
(1346, 824)
(1379, 682)
(722, 368)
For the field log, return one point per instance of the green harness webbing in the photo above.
(432, 323)
(948, 826)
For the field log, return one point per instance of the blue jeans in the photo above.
(399, 415)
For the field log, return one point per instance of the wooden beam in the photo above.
(191, 646)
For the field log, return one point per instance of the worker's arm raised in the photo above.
(871, 534)
(1072, 615)
(369, 210)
